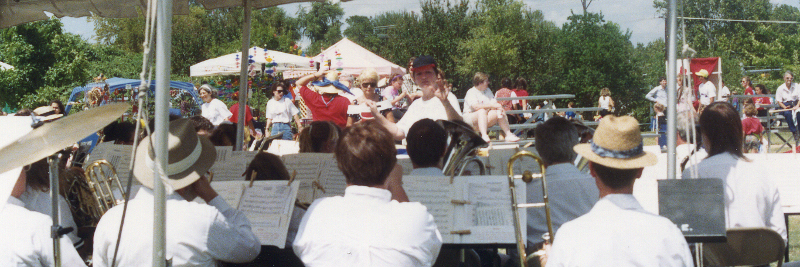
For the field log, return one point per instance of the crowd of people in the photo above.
(596, 218)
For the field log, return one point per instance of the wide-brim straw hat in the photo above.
(617, 143)
(190, 157)
(702, 73)
(46, 113)
(330, 85)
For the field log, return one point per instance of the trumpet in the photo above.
(528, 177)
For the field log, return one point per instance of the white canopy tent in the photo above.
(230, 64)
(5, 66)
(351, 58)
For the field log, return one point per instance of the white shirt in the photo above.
(476, 97)
(658, 94)
(619, 232)
(215, 111)
(366, 228)
(684, 152)
(724, 93)
(426, 109)
(39, 201)
(26, 238)
(571, 194)
(751, 196)
(707, 91)
(783, 93)
(197, 234)
(605, 102)
(281, 110)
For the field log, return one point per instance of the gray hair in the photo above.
(788, 72)
(555, 139)
(684, 128)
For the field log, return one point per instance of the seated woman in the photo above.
(482, 111)
(319, 136)
(269, 167)
(368, 81)
(751, 197)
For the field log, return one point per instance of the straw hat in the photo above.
(330, 84)
(47, 113)
(190, 157)
(617, 143)
(702, 73)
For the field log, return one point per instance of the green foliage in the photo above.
(321, 24)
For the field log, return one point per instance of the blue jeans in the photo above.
(282, 127)
(788, 116)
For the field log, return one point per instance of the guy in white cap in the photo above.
(196, 234)
(707, 89)
(25, 235)
(618, 231)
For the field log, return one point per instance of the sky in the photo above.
(637, 16)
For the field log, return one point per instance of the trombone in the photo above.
(527, 177)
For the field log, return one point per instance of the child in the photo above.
(570, 114)
(661, 122)
(752, 129)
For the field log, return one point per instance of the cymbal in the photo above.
(55, 136)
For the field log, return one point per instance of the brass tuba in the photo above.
(102, 182)
(527, 177)
(463, 141)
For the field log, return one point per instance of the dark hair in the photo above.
(366, 154)
(201, 123)
(59, 104)
(662, 78)
(613, 177)
(223, 135)
(37, 175)
(479, 78)
(763, 88)
(749, 82)
(521, 84)
(319, 136)
(23, 112)
(555, 139)
(119, 132)
(427, 141)
(506, 82)
(722, 129)
(267, 167)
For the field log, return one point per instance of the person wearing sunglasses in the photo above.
(280, 111)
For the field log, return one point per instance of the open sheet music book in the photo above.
(268, 206)
(118, 155)
(471, 210)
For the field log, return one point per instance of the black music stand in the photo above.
(696, 206)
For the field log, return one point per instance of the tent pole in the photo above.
(243, 76)
(671, 91)
(163, 59)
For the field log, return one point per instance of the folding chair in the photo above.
(752, 246)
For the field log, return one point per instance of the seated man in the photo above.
(618, 231)
(572, 193)
(436, 103)
(196, 234)
(427, 141)
(365, 227)
(25, 235)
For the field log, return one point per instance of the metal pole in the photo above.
(243, 76)
(163, 59)
(54, 211)
(671, 91)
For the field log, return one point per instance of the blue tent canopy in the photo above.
(120, 83)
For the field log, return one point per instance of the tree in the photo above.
(321, 24)
(596, 54)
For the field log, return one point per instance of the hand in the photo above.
(544, 252)
(203, 189)
(373, 107)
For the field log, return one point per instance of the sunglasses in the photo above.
(372, 84)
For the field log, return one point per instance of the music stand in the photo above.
(696, 206)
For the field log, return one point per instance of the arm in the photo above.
(610, 102)
(298, 122)
(452, 114)
(310, 78)
(398, 98)
(394, 183)
(390, 126)
(230, 236)
(651, 95)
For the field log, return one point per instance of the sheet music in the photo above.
(268, 205)
(307, 167)
(243, 158)
(435, 192)
(230, 191)
(283, 147)
(227, 166)
(332, 178)
(489, 216)
(118, 155)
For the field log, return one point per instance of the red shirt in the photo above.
(327, 109)
(762, 101)
(751, 125)
(521, 93)
(749, 91)
(248, 116)
(505, 92)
